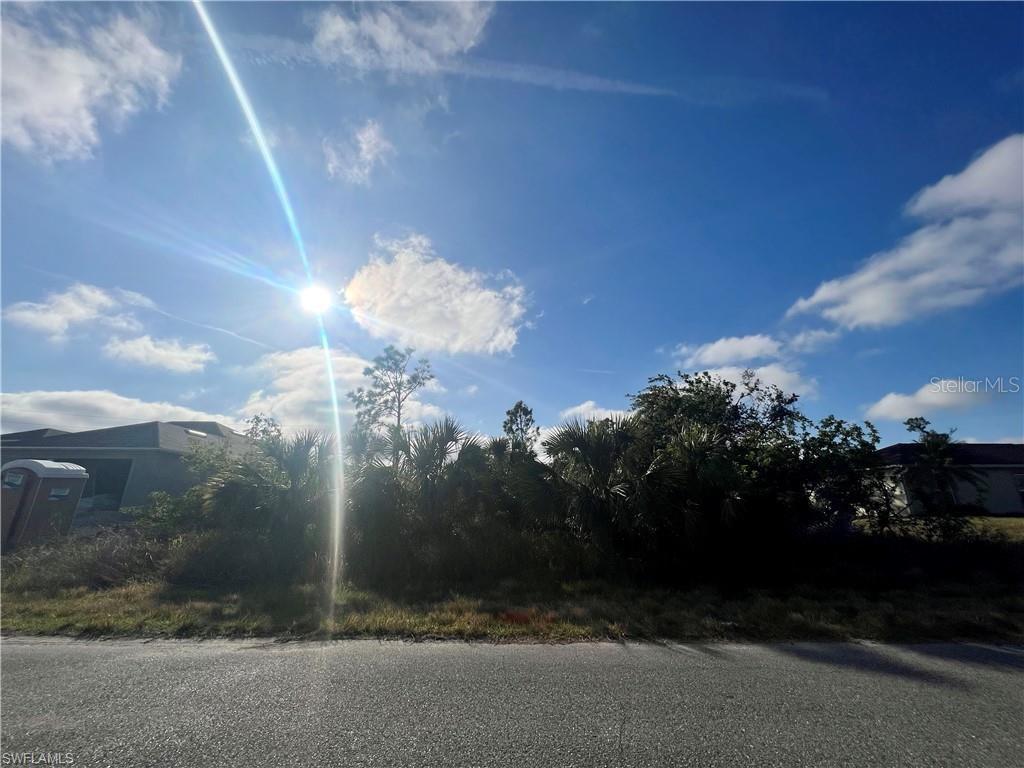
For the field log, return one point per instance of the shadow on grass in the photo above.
(252, 609)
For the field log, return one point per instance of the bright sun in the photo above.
(315, 299)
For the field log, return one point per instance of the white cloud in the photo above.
(355, 160)
(1005, 440)
(410, 294)
(61, 82)
(416, 412)
(938, 395)
(433, 38)
(297, 394)
(971, 248)
(810, 340)
(90, 409)
(786, 379)
(730, 356)
(169, 354)
(731, 349)
(588, 410)
(569, 80)
(79, 305)
(414, 38)
(992, 180)
(435, 386)
(84, 306)
(471, 390)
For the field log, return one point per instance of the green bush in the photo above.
(167, 515)
(219, 559)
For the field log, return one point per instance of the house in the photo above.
(125, 464)
(1000, 467)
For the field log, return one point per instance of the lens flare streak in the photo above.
(337, 498)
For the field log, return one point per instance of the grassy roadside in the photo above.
(1010, 527)
(573, 612)
(127, 585)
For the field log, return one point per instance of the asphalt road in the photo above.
(353, 703)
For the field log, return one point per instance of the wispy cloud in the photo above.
(811, 340)
(296, 391)
(780, 375)
(1011, 439)
(356, 159)
(971, 248)
(709, 91)
(731, 349)
(772, 360)
(169, 354)
(938, 395)
(589, 410)
(80, 305)
(414, 38)
(549, 77)
(63, 78)
(437, 39)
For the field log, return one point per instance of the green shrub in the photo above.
(219, 558)
(167, 515)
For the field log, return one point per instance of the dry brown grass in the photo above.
(572, 612)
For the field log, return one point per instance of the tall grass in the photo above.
(110, 559)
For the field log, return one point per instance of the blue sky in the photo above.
(551, 202)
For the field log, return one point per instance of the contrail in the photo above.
(293, 225)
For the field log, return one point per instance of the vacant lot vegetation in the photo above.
(576, 612)
(128, 584)
(711, 511)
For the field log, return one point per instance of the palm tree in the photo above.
(589, 473)
(279, 491)
(708, 481)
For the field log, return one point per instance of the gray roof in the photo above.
(176, 436)
(29, 435)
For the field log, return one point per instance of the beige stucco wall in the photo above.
(1001, 496)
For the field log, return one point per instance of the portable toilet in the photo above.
(39, 499)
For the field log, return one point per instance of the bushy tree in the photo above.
(703, 477)
(841, 467)
(932, 480)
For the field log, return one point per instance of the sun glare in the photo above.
(315, 299)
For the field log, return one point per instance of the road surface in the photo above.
(354, 703)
